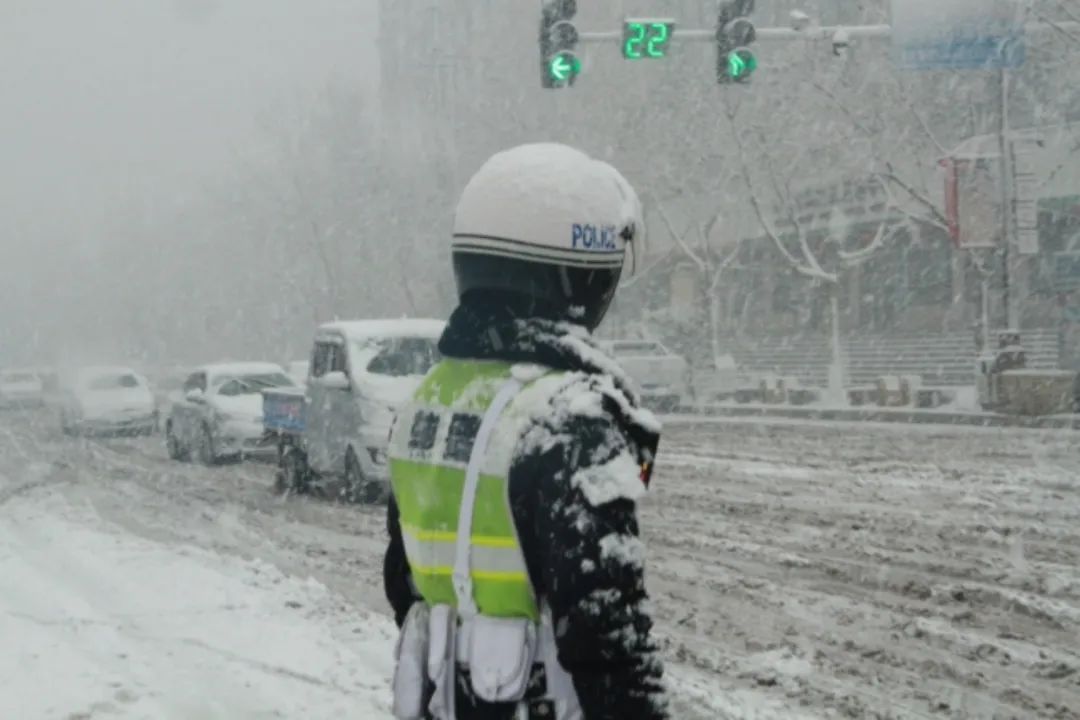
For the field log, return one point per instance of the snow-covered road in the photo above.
(97, 621)
(797, 571)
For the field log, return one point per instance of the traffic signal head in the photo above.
(562, 68)
(735, 62)
(559, 64)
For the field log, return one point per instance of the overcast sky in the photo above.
(99, 97)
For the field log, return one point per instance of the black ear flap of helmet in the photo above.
(629, 234)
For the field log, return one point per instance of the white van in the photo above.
(338, 427)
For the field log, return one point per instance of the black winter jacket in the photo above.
(572, 497)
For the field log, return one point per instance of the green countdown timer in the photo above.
(647, 39)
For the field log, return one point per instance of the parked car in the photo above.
(220, 412)
(107, 400)
(662, 376)
(339, 426)
(21, 388)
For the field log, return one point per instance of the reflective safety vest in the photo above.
(429, 451)
(480, 613)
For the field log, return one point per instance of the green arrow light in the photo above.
(564, 66)
(736, 66)
(741, 64)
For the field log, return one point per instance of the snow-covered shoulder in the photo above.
(554, 408)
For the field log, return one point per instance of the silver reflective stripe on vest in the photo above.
(486, 561)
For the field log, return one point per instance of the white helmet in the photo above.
(547, 223)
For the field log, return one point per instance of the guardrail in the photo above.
(940, 359)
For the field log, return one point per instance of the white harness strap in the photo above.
(444, 701)
(462, 577)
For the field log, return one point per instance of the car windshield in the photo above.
(255, 383)
(119, 381)
(403, 357)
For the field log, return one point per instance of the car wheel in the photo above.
(176, 449)
(357, 487)
(206, 453)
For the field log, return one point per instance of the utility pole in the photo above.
(1007, 194)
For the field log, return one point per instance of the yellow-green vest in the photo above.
(429, 451)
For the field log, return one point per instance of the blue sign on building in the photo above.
(958, 34)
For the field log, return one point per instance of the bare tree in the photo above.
(822, 265)
(698, 244)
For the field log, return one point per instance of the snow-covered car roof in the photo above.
(366, 329)
(241, 368)
(99, 370)
(85, 374)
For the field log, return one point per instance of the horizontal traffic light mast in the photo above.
(813, 32)
(818, 32)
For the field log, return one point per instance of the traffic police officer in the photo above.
(514, 568)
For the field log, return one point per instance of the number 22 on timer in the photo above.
(646, 39)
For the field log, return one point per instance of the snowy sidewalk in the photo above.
(96, 623)
(904, 415)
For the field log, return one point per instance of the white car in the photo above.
(662, 376)
(339, 427)
(21, 388)
(220, 412)
(107, 400)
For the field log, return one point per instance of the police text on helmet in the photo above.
(592, 237)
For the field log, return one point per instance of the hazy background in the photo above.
(189, 180)
(107, 105)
